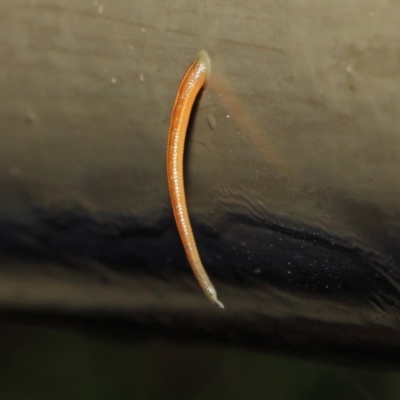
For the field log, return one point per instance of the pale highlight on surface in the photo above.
(192, 82)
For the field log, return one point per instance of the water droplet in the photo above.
(30, 117)
(212, 122)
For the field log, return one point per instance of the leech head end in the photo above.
(204, 58)
(213, 296)
(216, 301)
(218, 304)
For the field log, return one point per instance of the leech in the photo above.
(193, 81)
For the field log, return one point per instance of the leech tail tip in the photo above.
(218, 304)
(213, 297)
(205, 58)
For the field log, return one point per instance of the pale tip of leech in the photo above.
(214, 299)
(204, 58)
(219, 304)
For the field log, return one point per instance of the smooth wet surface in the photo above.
(292, 170)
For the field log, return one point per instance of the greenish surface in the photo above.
(38, 363)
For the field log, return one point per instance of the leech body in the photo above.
(193, 81)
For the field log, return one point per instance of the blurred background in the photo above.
(43, 363)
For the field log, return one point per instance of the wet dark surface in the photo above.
(292, 171)
(239, 251)
(286, 288)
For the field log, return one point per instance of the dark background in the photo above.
(42, 363)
